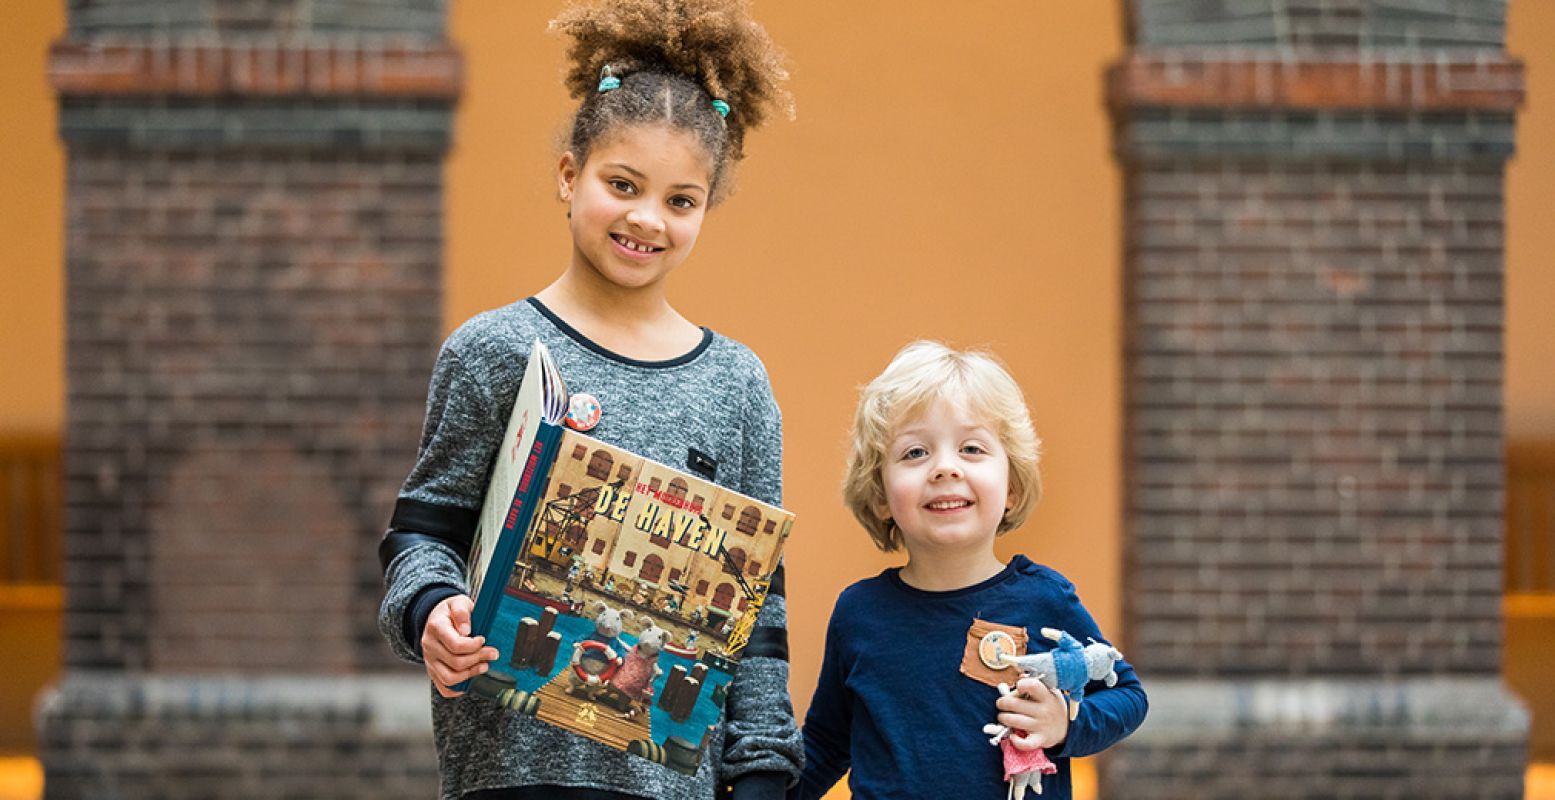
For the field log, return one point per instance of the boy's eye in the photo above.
(914, 452)
(974, 449)
(623, 186)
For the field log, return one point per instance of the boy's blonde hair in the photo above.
(920, 374)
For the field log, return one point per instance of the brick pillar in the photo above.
(1314, 449)
(254, 207)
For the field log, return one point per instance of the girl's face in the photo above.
(947, 480)
(636, 204)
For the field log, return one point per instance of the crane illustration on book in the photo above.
(619, 591)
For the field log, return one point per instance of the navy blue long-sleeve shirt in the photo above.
(893, 706)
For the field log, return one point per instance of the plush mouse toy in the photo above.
(1068, 667)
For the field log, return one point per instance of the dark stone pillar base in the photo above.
(111, 735)
(1429, 737)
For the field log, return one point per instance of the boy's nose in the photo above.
(946, 470)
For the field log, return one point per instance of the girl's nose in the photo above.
(645, 219)
(945, 470)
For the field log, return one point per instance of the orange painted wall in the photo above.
(1530, 238)
(32, 225)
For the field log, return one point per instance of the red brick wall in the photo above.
(1313, 276)
(253, 268)
(1315, 424)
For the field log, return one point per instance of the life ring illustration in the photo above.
(595, 660)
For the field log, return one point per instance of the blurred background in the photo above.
(1274, 274)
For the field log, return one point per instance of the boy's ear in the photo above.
(566, 175)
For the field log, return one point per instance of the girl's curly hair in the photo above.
(673, 58)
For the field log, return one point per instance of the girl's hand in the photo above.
(451, 654)
(1042, 713)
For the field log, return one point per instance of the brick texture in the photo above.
(248, 342)
(1314, 212)
(253, 277)
(258, 19)
(1315, 420)
(1320, 24)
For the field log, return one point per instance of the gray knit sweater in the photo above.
(715, 399)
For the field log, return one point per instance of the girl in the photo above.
(943, 460)
(668, 89)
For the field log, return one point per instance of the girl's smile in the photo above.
(635, 247)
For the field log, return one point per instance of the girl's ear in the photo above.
(566, 175)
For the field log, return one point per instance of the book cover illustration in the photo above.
(620, 591)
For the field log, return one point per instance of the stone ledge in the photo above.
(1296, 739)
(213, 68)
(1412, 81)
(387, 704)
(1432, 709)
(171, 737)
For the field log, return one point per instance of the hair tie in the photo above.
(607, 81)
(721, 107)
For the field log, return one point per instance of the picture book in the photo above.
(619, 591)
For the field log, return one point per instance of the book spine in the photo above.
(537, 466)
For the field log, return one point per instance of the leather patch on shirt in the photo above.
(982, 649)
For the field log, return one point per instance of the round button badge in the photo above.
(582, 412)
(994, 646)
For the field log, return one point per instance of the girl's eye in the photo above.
(683, 202)
(914, 452)
(623, 186)
(974, 449)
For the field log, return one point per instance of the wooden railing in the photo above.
(1530, 520)
(31, 510)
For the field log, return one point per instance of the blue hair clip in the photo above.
(721, 107)
(607, 81)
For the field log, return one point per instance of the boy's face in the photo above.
(947, 480)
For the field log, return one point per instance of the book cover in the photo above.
(620, 592)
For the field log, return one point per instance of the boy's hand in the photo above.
(1041, 712)
(451, 654)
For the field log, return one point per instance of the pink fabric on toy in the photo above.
(1018, 761)
(635, 678)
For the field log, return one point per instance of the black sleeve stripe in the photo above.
(767, 641)
(454, 524)
(415, 522)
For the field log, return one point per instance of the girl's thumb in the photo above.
(459, 614)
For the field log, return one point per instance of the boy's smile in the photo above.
(946, 478)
